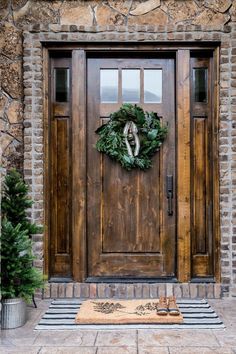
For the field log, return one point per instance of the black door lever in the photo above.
(169, 193)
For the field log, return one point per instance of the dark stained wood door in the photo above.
(129, 230)
(60, 168)
(201, 177)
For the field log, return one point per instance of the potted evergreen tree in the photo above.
(19, 278)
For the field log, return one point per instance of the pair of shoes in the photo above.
(167, 305)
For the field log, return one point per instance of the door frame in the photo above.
(182, 101)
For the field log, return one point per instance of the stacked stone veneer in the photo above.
(24, 25)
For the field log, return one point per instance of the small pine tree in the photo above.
(15, 202)
(18, 276)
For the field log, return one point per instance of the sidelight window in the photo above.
(200, 84)
(62, 81)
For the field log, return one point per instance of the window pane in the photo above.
(62, 85)
(152, 86)
(109, 85)
(200, 84)
(131, 85)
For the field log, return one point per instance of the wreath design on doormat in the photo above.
(131, 136)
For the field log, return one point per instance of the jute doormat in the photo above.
(122, 312)
(197, 314)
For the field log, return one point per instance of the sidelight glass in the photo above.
(109, 85)
(200, 84)
(62, 83)
(152, 85)
(131, 85)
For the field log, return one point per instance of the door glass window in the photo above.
(109, 85)
(200, 84)
(62, 84)
(152, 86)
(131, 85)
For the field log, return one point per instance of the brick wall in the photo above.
(130, 20)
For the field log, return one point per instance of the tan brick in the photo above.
(153, 291)
(61, 290)
(77, 290)
(162, 289)
(210, 291)
(202, 290)
(69, 289)
(186, 290)
(169, 289)
(146, 291)
(217, 291)
(122, 291)
(130, 291)
(101, 291)
(178, 290)
(92, 291)
(193, 291)
(54, 290)
(138, 291)
(46, 291)
(84, 290)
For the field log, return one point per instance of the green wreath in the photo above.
(131, 136)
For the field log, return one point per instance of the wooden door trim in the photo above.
(183, 166)
(216, 177)
(79, 262)
(183, 150)
(46, 184)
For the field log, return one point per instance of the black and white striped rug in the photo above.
(196, 313)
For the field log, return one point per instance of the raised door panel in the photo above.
(60, 169)
(201, 171)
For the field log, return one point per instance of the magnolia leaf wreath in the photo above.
(131, 136)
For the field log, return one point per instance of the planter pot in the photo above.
(13, 313)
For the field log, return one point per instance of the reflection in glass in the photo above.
(109, 85)
(130, 85)
(62, 81)
(200, 84)
(152, 86)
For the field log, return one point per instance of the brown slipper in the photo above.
(172, 306)
(162, 307)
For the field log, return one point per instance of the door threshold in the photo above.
(130, 280)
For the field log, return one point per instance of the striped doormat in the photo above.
(197, 314)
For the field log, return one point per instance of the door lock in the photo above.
(169, 193)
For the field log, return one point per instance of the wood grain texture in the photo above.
(216, 192)
(128, 228)
(202, 175)
(79, 166)
(63, 193)
(46, 113)
(60, 179)
(199, 185)
(183, 157)
(120, 254)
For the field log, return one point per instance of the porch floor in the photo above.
(140, 341)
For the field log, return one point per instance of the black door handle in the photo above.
(169, 193)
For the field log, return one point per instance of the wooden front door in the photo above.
(131, 224)
(104, 222)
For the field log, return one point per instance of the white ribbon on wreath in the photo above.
(131, 131)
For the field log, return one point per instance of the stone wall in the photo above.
(15, 14)
(157, 20)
